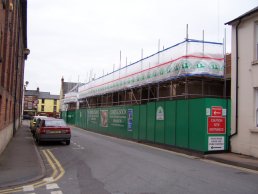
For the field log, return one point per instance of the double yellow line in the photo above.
(58, 172)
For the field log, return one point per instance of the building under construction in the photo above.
(190, 69)
(176, 97)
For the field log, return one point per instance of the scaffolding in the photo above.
(189, 69)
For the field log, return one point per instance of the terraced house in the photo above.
(13, 53)
(48, 104)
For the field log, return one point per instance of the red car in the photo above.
(51, 129)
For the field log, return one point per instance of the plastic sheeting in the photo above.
(70, 97)
(188, 58)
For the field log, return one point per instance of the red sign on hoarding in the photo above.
(216, 111)
(216, 125)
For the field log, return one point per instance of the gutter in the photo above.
(237, 86)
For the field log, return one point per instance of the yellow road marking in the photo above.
(56, 167)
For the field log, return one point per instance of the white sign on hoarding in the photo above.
(216, 143)
(208, 111)
(160, 114)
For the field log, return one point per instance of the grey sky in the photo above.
(71, 38)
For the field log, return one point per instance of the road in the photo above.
(98, 164)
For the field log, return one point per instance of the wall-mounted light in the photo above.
(26, 52)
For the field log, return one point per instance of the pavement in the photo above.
(21, 163)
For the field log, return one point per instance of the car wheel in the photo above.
(67, 142)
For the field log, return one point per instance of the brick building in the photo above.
(13, 53)
(30, 102)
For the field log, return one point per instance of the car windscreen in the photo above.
(55, 123)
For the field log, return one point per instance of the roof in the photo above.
(47, 95)
(67, 86)
(31, 93)
(252, 11)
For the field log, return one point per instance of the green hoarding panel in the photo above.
(81, 118)
(160, 122)
(182, 124)
(151, 121)
(85, 118)
(71, 117)
(197, 124)
(117, 120)
(170, 122)
(77, 117)
(93, 119)
(135, 126)
(143, 121)
(64, 115)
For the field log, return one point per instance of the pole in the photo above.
(225, 65)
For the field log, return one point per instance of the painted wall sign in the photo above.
(160, 114)
(216, 143)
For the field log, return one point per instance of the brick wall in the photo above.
(12, 46)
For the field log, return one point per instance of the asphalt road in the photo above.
(98, 164)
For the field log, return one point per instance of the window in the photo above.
(42, 108)
(43, 101)
(256, 107)
(54, 108)
(55, 101)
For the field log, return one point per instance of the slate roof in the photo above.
(41, 95)
(67, 86)
(47, 95)
(31, 93)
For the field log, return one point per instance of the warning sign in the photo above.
(216, 143)
(216, 125)
(216, 111)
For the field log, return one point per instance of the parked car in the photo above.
(51, 129)
(33, 123)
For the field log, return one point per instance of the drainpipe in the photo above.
(237, 59)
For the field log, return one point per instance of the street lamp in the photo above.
(24, 89)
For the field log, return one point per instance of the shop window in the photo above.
(54, 108)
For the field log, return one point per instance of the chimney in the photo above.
(37, 89)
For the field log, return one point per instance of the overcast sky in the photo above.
(71, 38)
